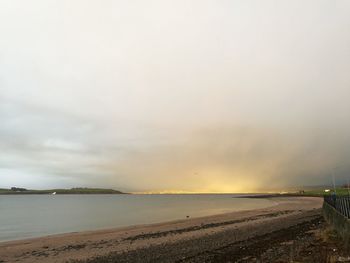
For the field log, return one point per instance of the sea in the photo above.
(28, 216)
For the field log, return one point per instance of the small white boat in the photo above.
(53, 193)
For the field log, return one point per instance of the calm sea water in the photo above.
(25, 216)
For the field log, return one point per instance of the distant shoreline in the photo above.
(72, 191)
(279, 195)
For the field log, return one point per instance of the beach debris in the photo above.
(344, 259)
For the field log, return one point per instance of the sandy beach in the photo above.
(174, 241)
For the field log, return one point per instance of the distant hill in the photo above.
(79, 190)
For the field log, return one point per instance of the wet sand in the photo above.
(176, 241)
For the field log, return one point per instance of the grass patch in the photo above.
(320, 192)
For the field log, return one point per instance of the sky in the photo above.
(186, 95)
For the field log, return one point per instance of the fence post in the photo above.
(340, 203)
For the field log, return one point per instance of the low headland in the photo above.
(77, 190)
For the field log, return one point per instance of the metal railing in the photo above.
(340, 203)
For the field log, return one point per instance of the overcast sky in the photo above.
(185, 95)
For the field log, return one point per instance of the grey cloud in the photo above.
(192, 95)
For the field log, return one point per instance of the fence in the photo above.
(340, 203)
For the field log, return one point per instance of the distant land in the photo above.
(78, 190)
